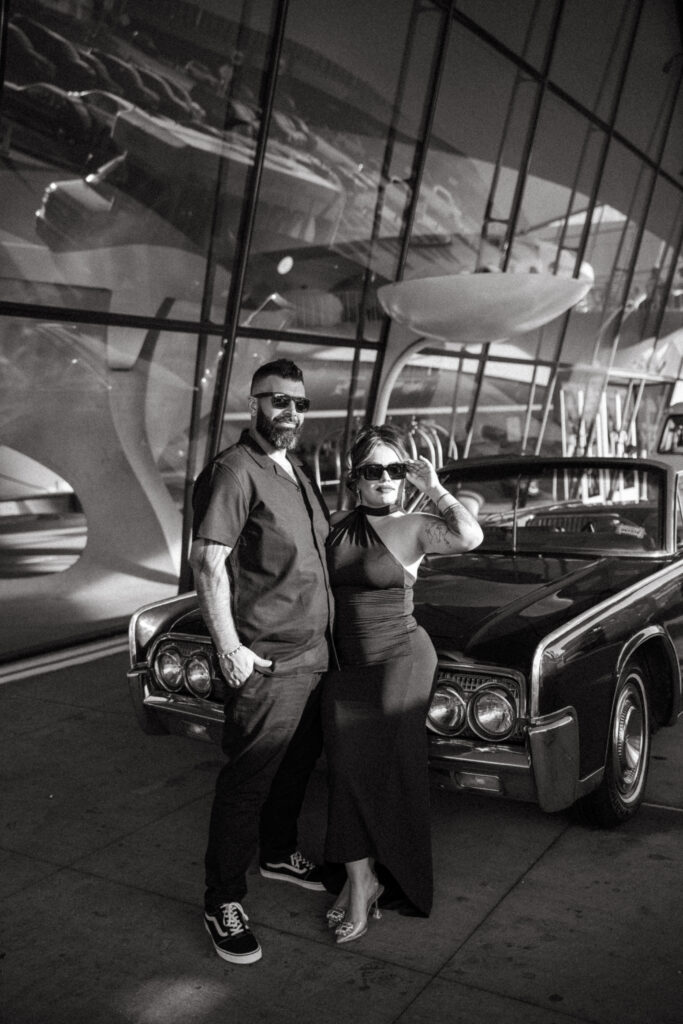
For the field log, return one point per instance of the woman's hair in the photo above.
(365, 442)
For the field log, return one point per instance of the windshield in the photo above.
(590, 508)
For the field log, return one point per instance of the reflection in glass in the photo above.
(137, 155)
(433, 397)
(42, 526)
(590, 50)
(469, 195)
(523, 26)
(653, 78)
(339, 205)
(96, 421)
(130, 137)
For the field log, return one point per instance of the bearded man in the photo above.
(258, 558)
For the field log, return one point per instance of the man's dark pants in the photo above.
(272, 739)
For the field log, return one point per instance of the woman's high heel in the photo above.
(350, 930)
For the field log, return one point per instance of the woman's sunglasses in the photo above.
(282, 401)
(375, 471)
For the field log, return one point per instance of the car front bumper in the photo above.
(178, 713)
(543, 770)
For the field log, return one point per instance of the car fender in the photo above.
(657, 635)
(151, 620)
(596, 631)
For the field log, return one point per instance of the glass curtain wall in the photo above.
(188, 189)
(568, 175)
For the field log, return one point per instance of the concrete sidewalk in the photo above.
(536, 920)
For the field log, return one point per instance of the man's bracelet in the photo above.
(229, 654)
(448, 496)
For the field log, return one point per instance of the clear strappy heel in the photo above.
(348, 931)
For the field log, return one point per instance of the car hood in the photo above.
(495, 608)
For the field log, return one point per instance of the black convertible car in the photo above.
(560, 638)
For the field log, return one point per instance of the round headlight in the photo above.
(198, 675)
(448, 711)
(168, 668)
(492, 713)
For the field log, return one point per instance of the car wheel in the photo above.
(622, 788)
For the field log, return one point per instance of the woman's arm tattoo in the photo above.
(449, 529)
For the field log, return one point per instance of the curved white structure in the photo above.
(480, 307)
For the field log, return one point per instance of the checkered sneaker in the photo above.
(232, 938)
(297, 869)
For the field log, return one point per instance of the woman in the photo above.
(374, 708)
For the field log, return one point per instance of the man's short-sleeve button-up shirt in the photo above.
(276, 528)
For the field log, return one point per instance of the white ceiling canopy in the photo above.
(480, 307)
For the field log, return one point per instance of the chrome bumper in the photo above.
(544, 771)
(180, 713)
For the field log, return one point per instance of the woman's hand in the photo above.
(422, 475)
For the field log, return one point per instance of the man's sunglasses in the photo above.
(282, 401)
(375, 471)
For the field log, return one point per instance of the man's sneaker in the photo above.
(295, 868)
(231, 936)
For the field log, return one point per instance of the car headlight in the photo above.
(491, 713)
(198, 675)
(448, 711)
(168, 669)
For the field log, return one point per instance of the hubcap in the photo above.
(629, 740)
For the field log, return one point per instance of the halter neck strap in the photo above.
(355, 526)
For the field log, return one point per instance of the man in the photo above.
(259, 565)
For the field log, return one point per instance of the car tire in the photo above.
(622, 788)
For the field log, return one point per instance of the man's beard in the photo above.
(279, 435)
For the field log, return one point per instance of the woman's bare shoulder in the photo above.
(337, 516)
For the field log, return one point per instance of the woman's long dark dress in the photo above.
(374, 712)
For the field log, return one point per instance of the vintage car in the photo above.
(559, 639)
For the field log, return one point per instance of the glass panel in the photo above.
(561, 174)
(508, 413)
(522, 25)
(672, 158)
(94, 427)
(653, 268)
(614, 233)
(121, 135)
(460, 166)
(328, 378)
(42, 526)
(431, 402)
(652, 77)
(590, 50)
(323, 195)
